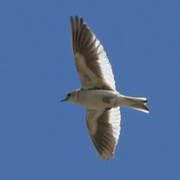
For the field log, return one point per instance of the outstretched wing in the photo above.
(104, 129)
(90, 58)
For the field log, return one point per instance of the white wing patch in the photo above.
(104, 64)
(115, 120)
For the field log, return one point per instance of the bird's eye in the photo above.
(69, 94)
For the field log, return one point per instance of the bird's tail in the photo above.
(137, 103)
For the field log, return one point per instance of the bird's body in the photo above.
(100, 99)
(98, 93)
(95, 99)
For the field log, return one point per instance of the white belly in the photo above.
(93, 99)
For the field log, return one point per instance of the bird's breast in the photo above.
(96, 99)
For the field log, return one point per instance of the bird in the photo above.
(98, 92)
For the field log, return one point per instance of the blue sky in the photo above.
(42, 139)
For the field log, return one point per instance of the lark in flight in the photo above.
(98, 93)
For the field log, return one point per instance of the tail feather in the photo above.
(137, 103)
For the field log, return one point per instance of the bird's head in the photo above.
(68, 97)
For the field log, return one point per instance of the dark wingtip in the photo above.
(77, 19)
(72, 20)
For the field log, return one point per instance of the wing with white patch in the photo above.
(104, 129)
(90, 58)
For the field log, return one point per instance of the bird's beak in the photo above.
(63, 100)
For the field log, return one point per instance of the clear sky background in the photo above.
(43, 139)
